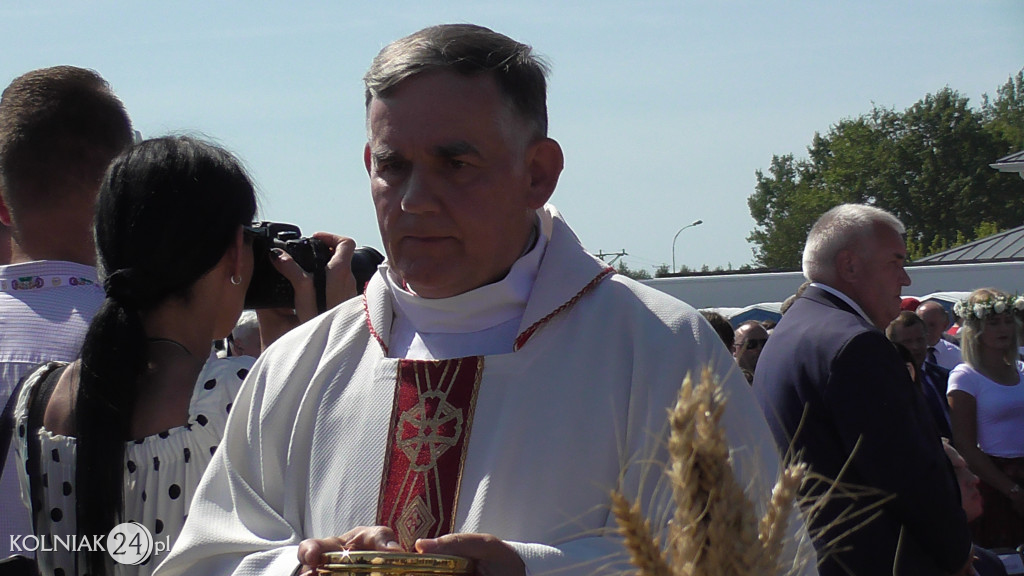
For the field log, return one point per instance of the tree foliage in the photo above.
(928, 165)
(1004, 115)
(635, 274)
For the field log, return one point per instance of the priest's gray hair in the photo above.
(844, 227)
(469, 50)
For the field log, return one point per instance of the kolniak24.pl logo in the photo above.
(128, 543)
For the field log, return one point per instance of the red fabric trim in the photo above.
(529, 332)
(369, 324)
(431, 421)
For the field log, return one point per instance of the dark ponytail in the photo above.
(168, 210)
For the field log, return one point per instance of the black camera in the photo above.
(269, 289)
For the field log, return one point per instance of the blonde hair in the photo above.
(973, 327)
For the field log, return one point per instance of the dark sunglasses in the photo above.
(756, 343)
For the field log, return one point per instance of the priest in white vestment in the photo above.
(494, 383)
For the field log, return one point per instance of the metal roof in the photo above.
(1006, 245)
(1012, 163)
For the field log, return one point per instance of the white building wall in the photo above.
(741, 290)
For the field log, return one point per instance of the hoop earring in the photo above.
(236, 279)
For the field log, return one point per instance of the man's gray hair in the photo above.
(844, 227)
(468, 50)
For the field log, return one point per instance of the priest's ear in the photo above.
(544, 162)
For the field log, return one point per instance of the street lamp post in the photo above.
(690, 225)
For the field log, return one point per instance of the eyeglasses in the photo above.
(756, 343)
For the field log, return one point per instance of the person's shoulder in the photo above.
(658, 321)
(962, 368)
(964, 377)
(285, 372)
(83, 274)
(820, 323)
(640, 298)
(343, 317)
(867, 340)
(328, 334)
(238, 366)
(217, 386)
(31, 381)
(947, 345)
(816, 309)
(68, 291)
(859, 351)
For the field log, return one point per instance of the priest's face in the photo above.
(454, 175)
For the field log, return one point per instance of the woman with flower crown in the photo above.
(986, 399)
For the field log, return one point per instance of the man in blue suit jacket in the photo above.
(937, 377)
(909, 331)
(836, 392)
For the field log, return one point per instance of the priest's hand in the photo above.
(493, 557)
(379, 538)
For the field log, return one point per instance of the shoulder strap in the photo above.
(7, 424)
(7, 418)
(37, 402)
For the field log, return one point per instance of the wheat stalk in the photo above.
(714, 530)
(644, 551)
(773, 525)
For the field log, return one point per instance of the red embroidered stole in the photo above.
(429, 435)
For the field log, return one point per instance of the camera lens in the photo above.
(365, 261)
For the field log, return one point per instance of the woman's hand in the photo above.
(340, 286)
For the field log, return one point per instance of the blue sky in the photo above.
(665, 110)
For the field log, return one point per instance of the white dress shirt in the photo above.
(45, 310)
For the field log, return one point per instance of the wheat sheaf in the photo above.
(714, 530)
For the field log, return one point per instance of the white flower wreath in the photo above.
(988, 307)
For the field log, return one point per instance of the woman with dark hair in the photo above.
(986, 401)
(125, 433)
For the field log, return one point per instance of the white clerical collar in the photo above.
(844, 298)
(473, 311)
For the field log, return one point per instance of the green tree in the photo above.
(639, 274)
(1004, 115)
(929, 165)
(945, 150)
(785, 206)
